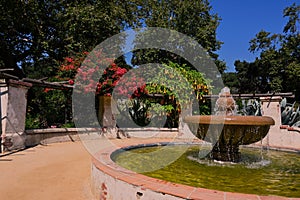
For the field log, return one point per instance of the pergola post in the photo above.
(13, 114)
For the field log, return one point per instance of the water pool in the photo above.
(260, 172)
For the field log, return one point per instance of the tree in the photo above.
(251, 78)
(37, 35)
(230, 80)
(192, 18)
(277, 68)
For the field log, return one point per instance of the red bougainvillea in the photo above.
(99, 75)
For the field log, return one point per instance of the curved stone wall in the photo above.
(110, 181)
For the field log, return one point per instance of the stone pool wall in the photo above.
(110, 181)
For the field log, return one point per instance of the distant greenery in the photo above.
(277, 69)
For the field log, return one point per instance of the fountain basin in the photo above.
(111, 181)
(226, 133)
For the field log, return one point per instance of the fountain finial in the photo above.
(225, 104)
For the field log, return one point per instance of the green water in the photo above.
(263, 173)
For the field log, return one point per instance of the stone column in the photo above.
(183, 128)
(271, 108)
(13, 111)
(106, 114)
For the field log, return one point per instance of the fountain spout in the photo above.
(225, 104)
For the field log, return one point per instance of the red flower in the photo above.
(71, 82)
(47, 90)
(121, 71)
(113, 65)
(68, 59)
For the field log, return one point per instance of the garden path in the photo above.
(48, 172)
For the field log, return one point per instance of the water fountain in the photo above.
(226, 130)
(136, 169)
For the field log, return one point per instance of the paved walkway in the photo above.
(55, 171)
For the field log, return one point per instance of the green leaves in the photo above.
(176, 80)
(192, 18)
(292, 13)
(277, 67)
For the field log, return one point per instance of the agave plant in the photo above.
(290, 113)
(250, 107)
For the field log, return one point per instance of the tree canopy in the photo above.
(192, 18)
(36, 36)
(277, 69)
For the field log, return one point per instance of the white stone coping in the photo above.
(60, 130)
(67, 130)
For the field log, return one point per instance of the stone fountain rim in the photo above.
(102, 164)
(230, 120)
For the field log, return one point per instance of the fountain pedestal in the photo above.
(224, 153)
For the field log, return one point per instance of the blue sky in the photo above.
(242, 20)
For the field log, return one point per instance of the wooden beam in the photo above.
(42, 83)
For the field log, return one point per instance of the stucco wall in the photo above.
(277, 137)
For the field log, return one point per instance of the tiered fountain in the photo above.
(226, 130)
(116, 172)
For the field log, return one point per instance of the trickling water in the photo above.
(261, 150)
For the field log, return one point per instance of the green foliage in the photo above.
(177, 81)
(230, 80)
(48, 108)
(171, 86)
(251, 77)
(277, 68)
(32, 122)
(290, 113)
(192, 18)
(139, 112)
(68, 125)
(38, 35)
(292, 12)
